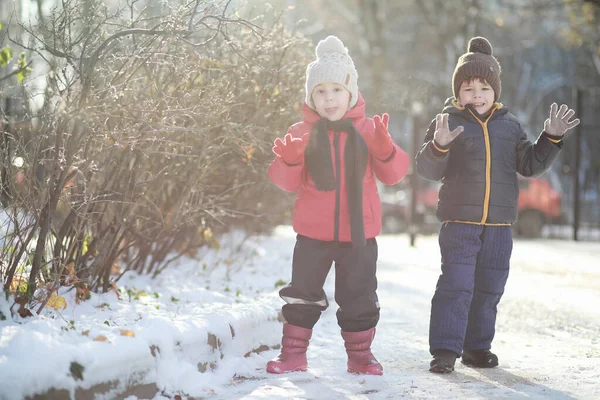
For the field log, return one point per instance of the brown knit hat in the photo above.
(477, 62)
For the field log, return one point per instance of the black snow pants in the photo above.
(355, 284)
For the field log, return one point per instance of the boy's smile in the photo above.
(478, 93)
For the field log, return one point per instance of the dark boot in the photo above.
(479, 358)
(358, 348)
(443, 361)
(293, 350)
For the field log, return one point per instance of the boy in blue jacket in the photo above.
(476, 148)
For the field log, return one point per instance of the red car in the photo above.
(539, 204)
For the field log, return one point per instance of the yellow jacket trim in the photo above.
(437, 148)
(488, 163)
(476, 223)
(554, 140)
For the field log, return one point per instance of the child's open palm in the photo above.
(291, 149)
(558, 123)
(442, 135)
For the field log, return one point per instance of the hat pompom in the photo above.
(331, 44)
(479, 45)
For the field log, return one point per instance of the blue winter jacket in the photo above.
(479, 170)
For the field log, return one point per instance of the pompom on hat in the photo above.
(333, 64)
(478, 62)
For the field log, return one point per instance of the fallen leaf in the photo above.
(24, 312)
(57, 302)
(71, 268)
(115, 270)
(22, 302)
(77, 371)
(100, 338)
(113, 288)
(18, 284)
(125, 332)
(83, 292)
(71, 275)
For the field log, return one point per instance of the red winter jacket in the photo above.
(314, 211)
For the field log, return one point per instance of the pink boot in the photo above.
(293, 350)
(360, 358)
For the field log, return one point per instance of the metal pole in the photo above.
(576, 206)
(414, 182)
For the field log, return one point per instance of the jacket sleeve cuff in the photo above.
(438, 150)
(291, 165)
(388, 158)
(552, 138)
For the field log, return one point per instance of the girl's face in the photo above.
(331, 100)
(478, 93)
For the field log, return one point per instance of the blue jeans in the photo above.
(475, 265)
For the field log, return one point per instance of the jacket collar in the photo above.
(310, 116)
(452, 107)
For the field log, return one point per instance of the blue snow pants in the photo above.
(475, 264)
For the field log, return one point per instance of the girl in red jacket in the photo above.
(331, 159)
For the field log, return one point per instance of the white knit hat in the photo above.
(333, 64)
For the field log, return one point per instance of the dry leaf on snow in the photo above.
(57, 302)
(125, 332)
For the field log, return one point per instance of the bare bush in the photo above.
(154, 138)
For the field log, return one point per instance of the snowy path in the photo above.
(548, 336)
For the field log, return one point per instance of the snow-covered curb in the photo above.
(234, 331)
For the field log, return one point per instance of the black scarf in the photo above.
(320, 166)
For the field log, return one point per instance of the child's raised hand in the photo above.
(381, 123)
(380, 143)
(291, 149)
(442, 134)
(558, 123)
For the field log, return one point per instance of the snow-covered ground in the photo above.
(548, 336)
(548, 330)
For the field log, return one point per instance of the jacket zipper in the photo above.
(488, 165)
(338, 177)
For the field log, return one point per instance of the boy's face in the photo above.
(478, 93)
(331, 100)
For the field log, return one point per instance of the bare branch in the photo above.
(16, 71)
